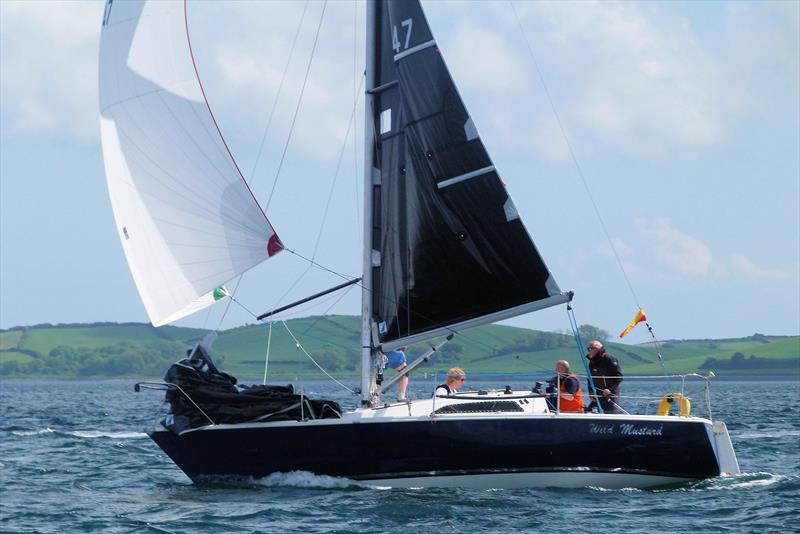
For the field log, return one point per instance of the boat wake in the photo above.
(306, 479)
(745, 481)
(623, 490)
(735, 482)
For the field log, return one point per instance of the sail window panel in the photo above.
(386, 121)
(389, 120)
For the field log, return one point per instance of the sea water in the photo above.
(74, 458)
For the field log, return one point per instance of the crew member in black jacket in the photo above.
(607, 377)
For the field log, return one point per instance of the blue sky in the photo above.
(683, 116)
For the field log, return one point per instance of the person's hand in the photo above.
(606, 392)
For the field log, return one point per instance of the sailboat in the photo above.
(444, 251)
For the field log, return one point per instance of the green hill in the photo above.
(135, 349)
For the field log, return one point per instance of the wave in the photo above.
(32, 432)
(81, 433)
(100, 434)
(768, 435)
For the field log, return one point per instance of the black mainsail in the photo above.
(449, 250)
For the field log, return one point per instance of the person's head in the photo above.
(403, 349)
(562, 367)
(456, 377)
(593, 348)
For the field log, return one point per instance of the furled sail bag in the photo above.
(218, 396)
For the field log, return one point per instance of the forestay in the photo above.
(187, 220)
(449, 250)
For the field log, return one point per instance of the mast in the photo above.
(367, 349)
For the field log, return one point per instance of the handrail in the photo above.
(165, 386)
(649, 399)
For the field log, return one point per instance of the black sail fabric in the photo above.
(452, 247)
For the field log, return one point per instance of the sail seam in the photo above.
(414, 49)
(465, 176)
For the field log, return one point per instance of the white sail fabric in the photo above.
(187, 220)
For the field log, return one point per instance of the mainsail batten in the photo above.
(453, 252)
(187, 220)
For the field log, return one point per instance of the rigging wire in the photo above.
(584, 182)
(297, 107)
(266, 357)
(260, 150)
(658, 353)
(278, 94)
(356, 92)
(576, 332)
(300, 346)
(350, 124)
(572, 154)
(296, 341)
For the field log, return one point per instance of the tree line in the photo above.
(121, 359)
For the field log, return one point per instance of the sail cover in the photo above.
(449, 249)
(187, 220)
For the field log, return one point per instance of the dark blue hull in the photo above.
(674, 448)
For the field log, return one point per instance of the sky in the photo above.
(683, 119)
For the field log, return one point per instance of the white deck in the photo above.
(533, 407)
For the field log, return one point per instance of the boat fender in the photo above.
(670, 399)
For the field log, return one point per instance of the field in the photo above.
(135, 349)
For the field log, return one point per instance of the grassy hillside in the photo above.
(135, 349)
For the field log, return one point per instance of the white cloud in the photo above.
(620, 246)
(645, 77)
(683, 253)
(634, 75)
(48, 68)
(744, 266)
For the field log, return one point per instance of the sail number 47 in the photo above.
(407, 24)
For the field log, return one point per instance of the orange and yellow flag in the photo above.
(638, 318)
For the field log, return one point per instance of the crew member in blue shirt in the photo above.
(396, 359)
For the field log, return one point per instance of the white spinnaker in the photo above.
(185, 216)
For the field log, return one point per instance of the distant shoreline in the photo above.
(355, 379)
(100, 351)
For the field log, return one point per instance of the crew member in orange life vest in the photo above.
(569, 387)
